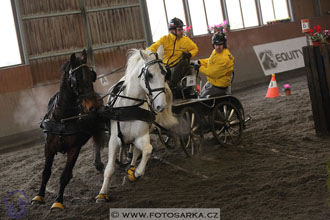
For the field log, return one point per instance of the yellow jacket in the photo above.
(218, 68)
(183, 44)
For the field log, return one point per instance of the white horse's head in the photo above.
(152, 78)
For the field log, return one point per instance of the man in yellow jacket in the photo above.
(218, 68)
(177, 50)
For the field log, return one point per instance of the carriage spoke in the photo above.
(231, 137)
(167, 139)
(231, 114)
(225, 140)
(235, 122)
(225, 111)
(226, 123)
(192, 120)
(188, 141)
(194, 129)
(219, 122)
(221, 131)
(234, 131)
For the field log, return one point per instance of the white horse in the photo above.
(144, 76)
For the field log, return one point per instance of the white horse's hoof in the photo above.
(130, 174)
(102, 198)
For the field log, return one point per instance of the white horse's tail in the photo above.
(166, 118)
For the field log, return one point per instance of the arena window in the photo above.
(242, 14)
(274, 10)
(9, 44)
(198, 16)
(161, 12)
(214, 13)
(157, 18)
(203, 13)
(174, 8)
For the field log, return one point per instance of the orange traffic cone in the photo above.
(272, 88)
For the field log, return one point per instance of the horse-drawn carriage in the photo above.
(130, 114)
(222, 115)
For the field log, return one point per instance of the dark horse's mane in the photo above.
(65, 67)
(63, 103)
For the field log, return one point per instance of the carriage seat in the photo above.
(228, 89)
(180, 81)
(188, 86)
(228, 92)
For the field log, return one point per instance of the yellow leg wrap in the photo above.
(57, 205)
(130, 174)
(38, 199)
(102, 197)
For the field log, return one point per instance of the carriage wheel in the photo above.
(124, 157)
(167, 139)
(226, 123)
(191, 131)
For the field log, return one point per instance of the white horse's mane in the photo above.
(165, 118)
(134, 58)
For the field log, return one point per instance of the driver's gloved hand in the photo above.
(194, 62)
(196, 67)
(186, 55)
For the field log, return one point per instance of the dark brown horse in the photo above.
(76, 96)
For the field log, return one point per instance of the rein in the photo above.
(145, 72)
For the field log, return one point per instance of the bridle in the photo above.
(73, 79)
(145, 72)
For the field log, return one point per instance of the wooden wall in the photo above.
(58, 27)
(307, 8)
(303, 9)
(15, 78)
(325, 7)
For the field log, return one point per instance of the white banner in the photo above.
(281, 56)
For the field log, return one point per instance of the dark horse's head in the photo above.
(79, 79)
